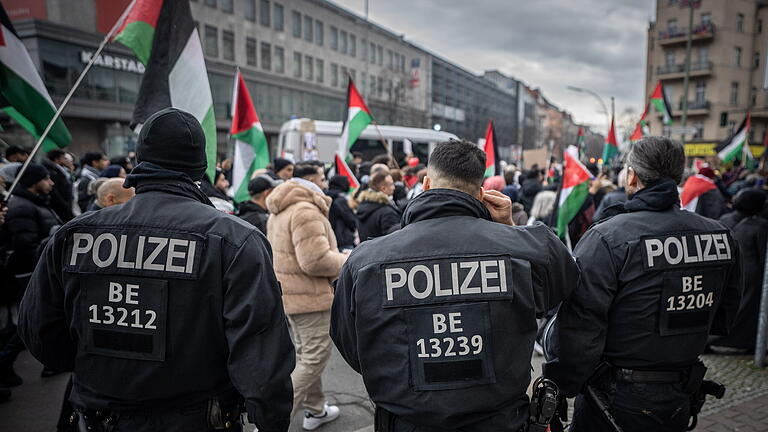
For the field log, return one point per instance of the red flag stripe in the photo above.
(244, 115)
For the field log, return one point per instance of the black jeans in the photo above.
(637, 407)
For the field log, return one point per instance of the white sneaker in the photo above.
(312, 422)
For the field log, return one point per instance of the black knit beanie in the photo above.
(174, 140)
(749, 201)
(280, 163)
(33, 174)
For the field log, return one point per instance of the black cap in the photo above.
(262, 183)
(33, 174)
(749, 201)
(174, 140)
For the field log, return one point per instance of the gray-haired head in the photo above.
(657, 158)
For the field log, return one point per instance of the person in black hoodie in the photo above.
(341, 216)
(377, 215)
(28, 223)
(255, 211)
(531, 187)
(61, 194)
(751, 231)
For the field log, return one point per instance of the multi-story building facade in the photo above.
(727, 68)
(462, 103)
(295, 55)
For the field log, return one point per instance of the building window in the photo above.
(227, 6)
(380, 51)
(343, 42)
(279, 59)
(308, 29)
(701, 92)
(250, 51)
(703, 56)
(373, 85)
(264, 15)
(228, 45)
(734, 93)
(363, 77)
(672, 26)
(669, 58)
(334, 38)
(740, 23)
(344, 76)
(250, 10)
(319, 70)
(353, 74)
(756, 60)
(753, 97)
(211, 41)
(211, 3)
(319, 33)
(266, 56)
(277, 17)
(296, 24)
(390, 61)
(759, 26)
(706, 19)
(364, 49)
(297, 65)
(353, 45)
(379, 86)
(737, 56)
(308, 70)
(402, 63)
(373, 52)
(334, 75)
(699, 126)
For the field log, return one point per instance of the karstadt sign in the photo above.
(113, 62)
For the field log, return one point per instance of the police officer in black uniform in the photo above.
(440, 316)
(656, 281)
(167, 310)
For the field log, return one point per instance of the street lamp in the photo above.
(597, 96)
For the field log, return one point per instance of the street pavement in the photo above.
(35, 405)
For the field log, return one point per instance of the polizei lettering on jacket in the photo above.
(128, 252)
(444, 280)
(686, 249)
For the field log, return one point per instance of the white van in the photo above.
(304, 138)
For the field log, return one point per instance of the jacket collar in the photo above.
(439, 203)
(40, 200)
(250, 206)
(148, 177)
(657, 197)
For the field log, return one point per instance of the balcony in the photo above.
(677, 71)
(701, 32)
(695, 108)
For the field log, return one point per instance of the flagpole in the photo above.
(64, 103)
(381, 136)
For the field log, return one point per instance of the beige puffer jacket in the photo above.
(306, 256)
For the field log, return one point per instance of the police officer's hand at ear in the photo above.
(499, 205)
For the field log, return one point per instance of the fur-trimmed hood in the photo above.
(370, 195)
(292, 192)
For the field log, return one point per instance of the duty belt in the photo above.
(643, 376)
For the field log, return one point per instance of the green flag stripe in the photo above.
(138, 36)
(571, 205)
(32, 110)
(356, 127)
(256, 138)
(209, 128)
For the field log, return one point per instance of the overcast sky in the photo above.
(550, 44)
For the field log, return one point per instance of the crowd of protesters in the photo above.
(312, 223)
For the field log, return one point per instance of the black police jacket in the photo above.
(160, 303)
(440, 316)
(655, 281)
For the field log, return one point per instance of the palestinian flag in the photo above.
(251, 148)
(164, 37)
(342, 169)
(23, 95)
(640, 127)
(696, 186)
(492, 164)
(575, 188)
(358, 118)
(580, 142)
(737, 147)
(611, 147)
(659, 100)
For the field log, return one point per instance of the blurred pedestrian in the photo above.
(614, 197)
(93, 163)
(341, 216)
(254, 211)
(282, 169)
(113, 171)
(377, 215)
(307, 260)
(530, 188)
(62, 197)
(16, 154)
(111, 192)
